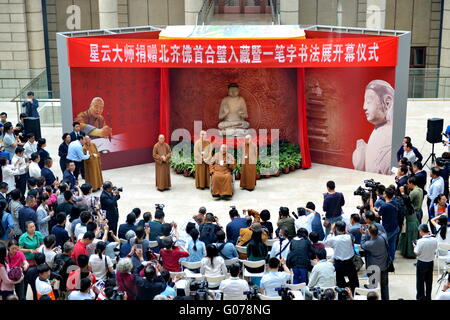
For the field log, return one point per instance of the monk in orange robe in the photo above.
(248, 167)
(202, 157)
(221, 168)
(161, 154)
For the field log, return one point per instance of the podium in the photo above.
(33, 125)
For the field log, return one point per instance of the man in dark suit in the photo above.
(108, 202)
(402, 177)
(420, 174)
(69, 176)
(414, 149)
(76, 131)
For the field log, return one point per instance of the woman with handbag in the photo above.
(30, 241)
(100, 264)
(16, 259)
(6, 284)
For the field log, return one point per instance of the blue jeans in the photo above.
(331, 220)
(392, 242)
(300, 275)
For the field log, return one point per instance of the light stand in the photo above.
(432, 156)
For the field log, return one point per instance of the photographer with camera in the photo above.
(108, 203)
(233, 228)
(156, 224)
(300, 255)
(209, 229)
(285, 220)
(150, 285)
(273, 278)
(332, 206)
(342, 243)
(375, 246)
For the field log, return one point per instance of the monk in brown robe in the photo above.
(222, 165)
(161, 154)
(248, 167)
(92, 122)
(92, 166)
(202, 157)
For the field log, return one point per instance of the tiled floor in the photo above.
(292, 190)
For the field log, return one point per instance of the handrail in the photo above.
(204, 11)
(274, 12)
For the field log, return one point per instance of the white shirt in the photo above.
(8, 173)
(80, 229)
(304, 221)
(274, 252)
(34, 170)
(78, 295)
(411, 156)
(436, 188)
(98, 265)
(443, 295)
(342, 245)
(29, 148)
(426, 249)
(272, 280)
(49, 255)
(322, 275)
(23, 167)
(217, 269)
(233, 287)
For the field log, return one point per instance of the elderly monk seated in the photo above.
(220, 169)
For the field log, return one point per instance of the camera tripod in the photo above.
(432, 156)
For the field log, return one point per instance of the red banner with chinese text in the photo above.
(258, 53)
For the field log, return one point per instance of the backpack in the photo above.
(208, 233)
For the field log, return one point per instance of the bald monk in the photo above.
(248, 167)
(161, 154)
(222, 165)
(92, 122)
(202, 156)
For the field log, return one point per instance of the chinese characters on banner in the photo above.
(151, 53)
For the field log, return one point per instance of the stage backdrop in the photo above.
(131, 109)
(336, 118)
(270, 95)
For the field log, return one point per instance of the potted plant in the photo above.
(258, 170)
(237, 174)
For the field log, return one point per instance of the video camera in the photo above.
(252, 294)
(120, 189)
(370, 187)
(444, 162)
(199, 290)
(116, 294)
(159, 206)
(285, 293)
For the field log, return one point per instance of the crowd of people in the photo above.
(60, 241)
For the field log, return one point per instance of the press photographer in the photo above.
(108, 204)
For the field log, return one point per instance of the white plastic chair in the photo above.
(153, 244)
(214, 281)
(270, 242)
(442, 246)
(264, 297)
(243, 297)
(298, 286)
(252, 264)
(191, 265)
(241, 249)
(177, 274)
(229, 262)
